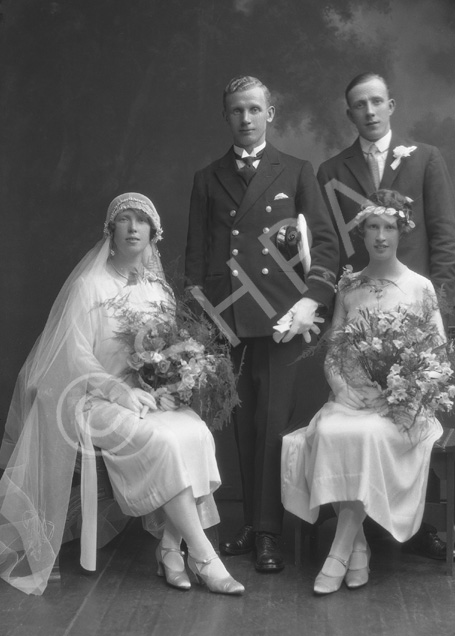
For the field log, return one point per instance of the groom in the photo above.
(379, 158)
(238, 205)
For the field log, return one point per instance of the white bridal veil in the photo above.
(43, 430)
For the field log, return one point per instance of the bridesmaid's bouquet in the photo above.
(179, 354)
(399, 351)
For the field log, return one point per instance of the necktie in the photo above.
(372, 160)
(248, 171)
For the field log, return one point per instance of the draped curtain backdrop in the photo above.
(103, 96)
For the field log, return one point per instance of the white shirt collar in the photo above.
(243, 153)
(381, 144)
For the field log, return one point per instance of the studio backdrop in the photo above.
(99, 97)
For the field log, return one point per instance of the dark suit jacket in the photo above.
(423, 176)
(228, 221)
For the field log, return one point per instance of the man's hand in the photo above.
(301, 319)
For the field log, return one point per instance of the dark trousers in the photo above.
(267, 390)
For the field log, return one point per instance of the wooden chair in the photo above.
(439, 513)
(74, 507)
(302, 529)
(105, 495)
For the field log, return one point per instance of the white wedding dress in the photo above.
(359, 455)
(149, 460)
(60, 405)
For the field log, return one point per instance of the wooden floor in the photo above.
(407, 596)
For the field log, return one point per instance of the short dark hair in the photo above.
(244, 83)
(361, 79)
(390, 199)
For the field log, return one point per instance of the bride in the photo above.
(71, 394)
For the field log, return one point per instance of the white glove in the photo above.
(300, 319)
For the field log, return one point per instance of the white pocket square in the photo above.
(281, 195)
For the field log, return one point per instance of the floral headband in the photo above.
(134, 201)
(380, 210)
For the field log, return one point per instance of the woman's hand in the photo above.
(373, 398)
(146, 402)
(344, 394)
(167, 403)
(133, 399)
(367, 396)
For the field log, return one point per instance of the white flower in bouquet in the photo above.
(402, 354)
(180, 355)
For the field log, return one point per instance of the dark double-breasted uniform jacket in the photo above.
(231, 251)
(423, 176)
(231, 254)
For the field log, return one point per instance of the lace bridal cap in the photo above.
(42, 433)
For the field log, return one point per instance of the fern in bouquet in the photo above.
(400, 351)
(180, 354)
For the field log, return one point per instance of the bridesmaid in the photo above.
(352, 454)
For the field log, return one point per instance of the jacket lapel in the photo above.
(228, 177)
(269, 169)
(355, 162)
(390, 175)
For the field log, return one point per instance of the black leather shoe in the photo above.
(268, 557)
(426, 544)
(242, 543)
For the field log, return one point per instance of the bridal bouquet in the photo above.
(176, 353)
(400, 352)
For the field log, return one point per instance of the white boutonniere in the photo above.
(399, 152)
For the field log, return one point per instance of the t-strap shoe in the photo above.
(174, 578)
(326, 583)
(224, 585)
(355, 576)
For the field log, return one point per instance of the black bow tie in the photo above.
(248, 160)
(248, 170)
